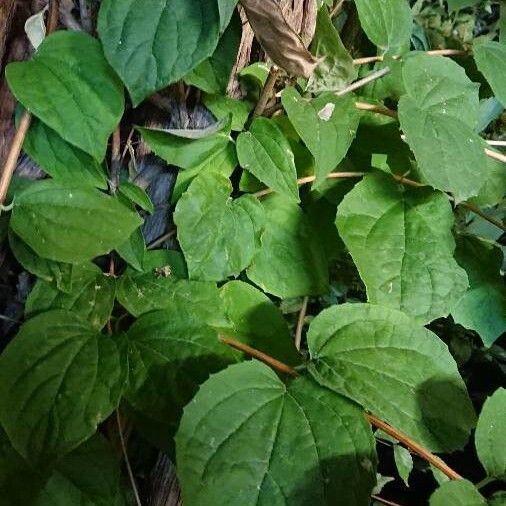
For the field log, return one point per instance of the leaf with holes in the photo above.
(395, 368)
(327, 125)
(315, 447)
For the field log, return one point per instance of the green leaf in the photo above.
(171, 352)
(455, 5)
(388, 23)
(89, 476)
(154, 43)
(58, 380)
(258, 322)
(218, 235)
(92, 296)
(394, 368)
(71, 224)
(490, 58)
(222, 161)
(222, 107)
(457, 493)
(483, 306)
(133, 250)
(449, 153)
(291, 261)
(141, 293)
(59, 86)
(183, 152)
(337, 69)
(402, 244)
(494, 188)
(213, 74)
(314, 446)
(490, 437)
(439, 85)
(327, 125)
(57, 273)
(403, 462)
(19, 483)
(61, 160)
(265, 152)
(137, 196)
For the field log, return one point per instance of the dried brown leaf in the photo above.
(278, 38)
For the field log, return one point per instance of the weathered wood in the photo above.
(7, 9)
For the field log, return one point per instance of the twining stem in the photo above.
(115, 159)
(127, 460)
(495, 155)
(263, 357)
(362, 82)
(380, 109)
(485, 216)
(300, 323)
(434, 52)
(266, 93)
(384, 501)
(24, 124)
(376, 422)
(310, 179)
(414, 447)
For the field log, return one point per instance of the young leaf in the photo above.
(401, 241)
(91, 297)
(66, 72)
(395, 368)
(222, 107)
(388, 24)
(273, 444)
(256, 321)
(449, 153)
(457, 493)
(403, 462)
(483, 306)
(490, 437)
(57, 273)
(171, 352)
(218, 235)
(265, 152)
(71, 224)
(88, 476)
(183, 152)
(327, 125)
(213, 74)
(58, 380)
(490, 58)
(291, 261)
(494, 188)
(439, 85)
(60, 159)
(336, 68)
(137, 196)
(152, 44)
(133, 250)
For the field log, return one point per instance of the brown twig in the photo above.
(127, 461)
(434, 52)
(24, 125)
(310, 179)
(263, 357)
(376, 422)
(12, 157)
(161, 240)
(380, 109)
(384, 501)
(266, 93)
(362, 82)
(300, 323)
(115, 159)
(414, 447)
(485, 216)
(338, 7)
